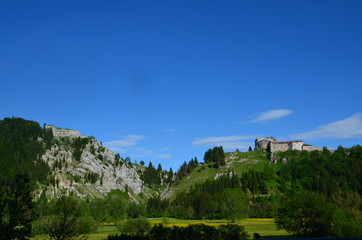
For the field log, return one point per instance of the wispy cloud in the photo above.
(165, 149)
(271, 115)
(229, 142)
(125, 142)
(164, 156)
(169, 130)
(350, 127)
(142, 152)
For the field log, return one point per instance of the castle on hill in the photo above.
(58, 132)
(272, 145)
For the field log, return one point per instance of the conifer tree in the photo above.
(216, 156)
(159, 167)
(170, 176)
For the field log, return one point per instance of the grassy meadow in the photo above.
(263, 226)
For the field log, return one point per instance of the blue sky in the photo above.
(163, 81)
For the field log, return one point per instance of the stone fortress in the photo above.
(272, 145)
(58, 132)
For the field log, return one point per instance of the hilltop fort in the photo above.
(272, 145)
(58, 132)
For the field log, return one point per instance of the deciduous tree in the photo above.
(234, 204)
(306, 214)
(65, 223)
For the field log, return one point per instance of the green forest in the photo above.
(309, 194)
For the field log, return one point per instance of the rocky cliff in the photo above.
(83, 167)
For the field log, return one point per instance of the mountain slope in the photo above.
(236, 163)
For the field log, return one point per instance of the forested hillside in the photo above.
(21, 150)
(248, 185)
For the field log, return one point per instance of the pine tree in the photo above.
(216, 156)
(159, 167)
(170, 176)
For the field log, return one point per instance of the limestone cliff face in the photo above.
(82, 166)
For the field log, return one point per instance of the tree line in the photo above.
(206, 200)
(191, 232)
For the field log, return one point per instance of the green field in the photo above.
(263, 226)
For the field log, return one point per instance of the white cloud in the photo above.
(125, 142)
(164, 156)
(271, 115)
(350, 127)
(229, 142)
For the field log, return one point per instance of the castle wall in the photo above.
(262, 144)
(312, 148)
(297, 146)
(279, 147)
(58, 132)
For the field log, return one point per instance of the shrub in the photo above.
(88, 223)
(136, 226)
(191, 232)
(232, 232)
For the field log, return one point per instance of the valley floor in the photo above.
(263, 226)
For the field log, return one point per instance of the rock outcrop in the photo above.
(82, 166)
